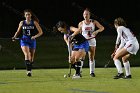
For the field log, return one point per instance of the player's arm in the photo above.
(80, 27)
(118, 45)
(118, 40)
(99, 26)
(18, 30)
(74, 30)
(66, 39)
(40, 32)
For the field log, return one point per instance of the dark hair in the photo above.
(87, 9)
(61, 24)
(120, 21)
(34, 17)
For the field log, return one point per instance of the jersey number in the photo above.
(28, 32)
(89, 34)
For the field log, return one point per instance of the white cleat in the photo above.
(75, 76)
(29, 73)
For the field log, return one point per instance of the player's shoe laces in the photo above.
(76, 76)
(128, 77)
(92, 75)
(29, 74)
(119, 75)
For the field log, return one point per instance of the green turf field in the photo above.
(52, 81)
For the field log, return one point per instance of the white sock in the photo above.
(92, 66)
(118, 66)
(29, 72)
(82, 63)
(127, 68)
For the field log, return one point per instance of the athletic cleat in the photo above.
(119, 75)
(92, 75)
(76, 76)
(127, 77)
(29, 74)
(79, 75)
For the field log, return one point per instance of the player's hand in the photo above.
(71, 37)
(13, 39)
(112, 55)
(33, 37)
(95, 33)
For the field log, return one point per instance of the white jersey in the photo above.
(127, 40)
(88, 29)
(125, 34)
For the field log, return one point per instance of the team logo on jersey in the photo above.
(88, 28)
(27, 27)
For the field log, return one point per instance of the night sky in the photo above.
(51, 11)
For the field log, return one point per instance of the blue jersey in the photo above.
(80, 42)
(28, 31)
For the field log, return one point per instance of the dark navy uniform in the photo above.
(28, 31)
(80, 42)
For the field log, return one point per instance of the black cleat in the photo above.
(92, 75)
(29, 74)
(119, 75)
(127, 77)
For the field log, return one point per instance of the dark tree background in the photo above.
(51, 11)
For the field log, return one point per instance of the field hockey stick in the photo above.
(14, 39)
(108, 62)
(111, 58)
(69, 50)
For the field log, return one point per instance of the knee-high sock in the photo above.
(28, 65)
(78, 66)
(82, 63)
(92, 66)
(118, 65)
(127, 68)
(73, 65)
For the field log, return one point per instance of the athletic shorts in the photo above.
(132, 46)
(92, 42)
(26, 41)
(84, 45)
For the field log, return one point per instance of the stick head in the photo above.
(69, 75)
(105, 65)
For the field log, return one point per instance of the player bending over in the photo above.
(80, 45)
